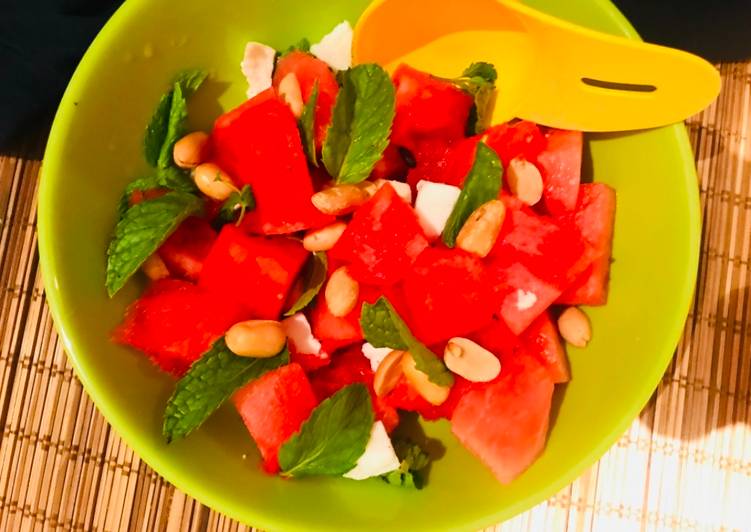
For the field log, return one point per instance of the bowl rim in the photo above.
(64, 120)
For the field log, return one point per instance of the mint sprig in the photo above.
(211, 380)
(171, 178)
(360, 123)
(314, 275)
(478, 80)
(412, 462)
(140, 232)
(482, 184)
(383, 327)
(333, 438)
(237, 205)
(307, 126)
(167, 124)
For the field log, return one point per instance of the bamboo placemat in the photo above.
(685, 463)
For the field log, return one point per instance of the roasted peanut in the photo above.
(524, 180)
(289, 90)
(480, 231)
(256, 338)
(325, 238)
(428, 390)
(387, 375)
(574, 327)
(470, 360)
(154, 268)
(213, 181)
(343, 199)
(191, 150)
(341, 292)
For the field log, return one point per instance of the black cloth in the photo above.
(41, 41)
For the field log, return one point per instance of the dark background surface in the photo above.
(41, 41)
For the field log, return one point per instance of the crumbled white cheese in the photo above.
(403, 190)
(258, 67)
(434, 204)
(299, 333)
(379, 457)
(525, 300)
(335, 49)
(375, 354)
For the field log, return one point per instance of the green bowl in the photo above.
(95, 149)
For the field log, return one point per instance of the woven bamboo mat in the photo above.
(685, 463)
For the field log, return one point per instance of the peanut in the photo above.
(256, 338)
(387, 375)
(471, 361)
(574, 327)
(289, 90)
(325, 238)
(341, 292)
(430, 391)
(191, 150)
(213, 181)
(480, 231)
(154, 268)
(343, 199)
(524, 180)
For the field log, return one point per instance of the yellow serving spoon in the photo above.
(549, 71)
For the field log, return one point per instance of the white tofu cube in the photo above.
(379, 457)
(257, 67)
(335, 49)
(433, 206)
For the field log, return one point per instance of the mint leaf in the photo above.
(333, 438)
(383, 327)
(169, 117)
(141, 184)
(211, 380)
(303, 45)
(236, 205)
(307, 126)
(413, 461)
(314, 275)
(478, 79)
(482, 184)
(142, 230)
(485, 71)
(360, 123)
(171, 178)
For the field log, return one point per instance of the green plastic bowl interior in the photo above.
(95, 149)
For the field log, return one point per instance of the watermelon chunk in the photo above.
(382, 240)
(595, 217)
(174, 322)
(391, 166)
(259, 144)
(443, 162)
(447, 295)
(273, 408)
(505, 423)
(518, 139)
(497, 338)
(541, 339)
(427, 107)
(309, 70)
(560, 165)
(348, 367)
(254, 271)
(185, 250)
(404, 397)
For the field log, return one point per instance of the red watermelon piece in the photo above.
(348, 367)
(447, 294)
(560, 164)
(427, 107)
(258, 144)
(391, 165)
(273, 408)
(175, 322)
(443, 162)
(505, 423)
(382, 240)
(254, 271)
(309, 70)
(497, 338)
(541, 339)
(595, 218)
(404, 397)
(185, 249)
(516, 139)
